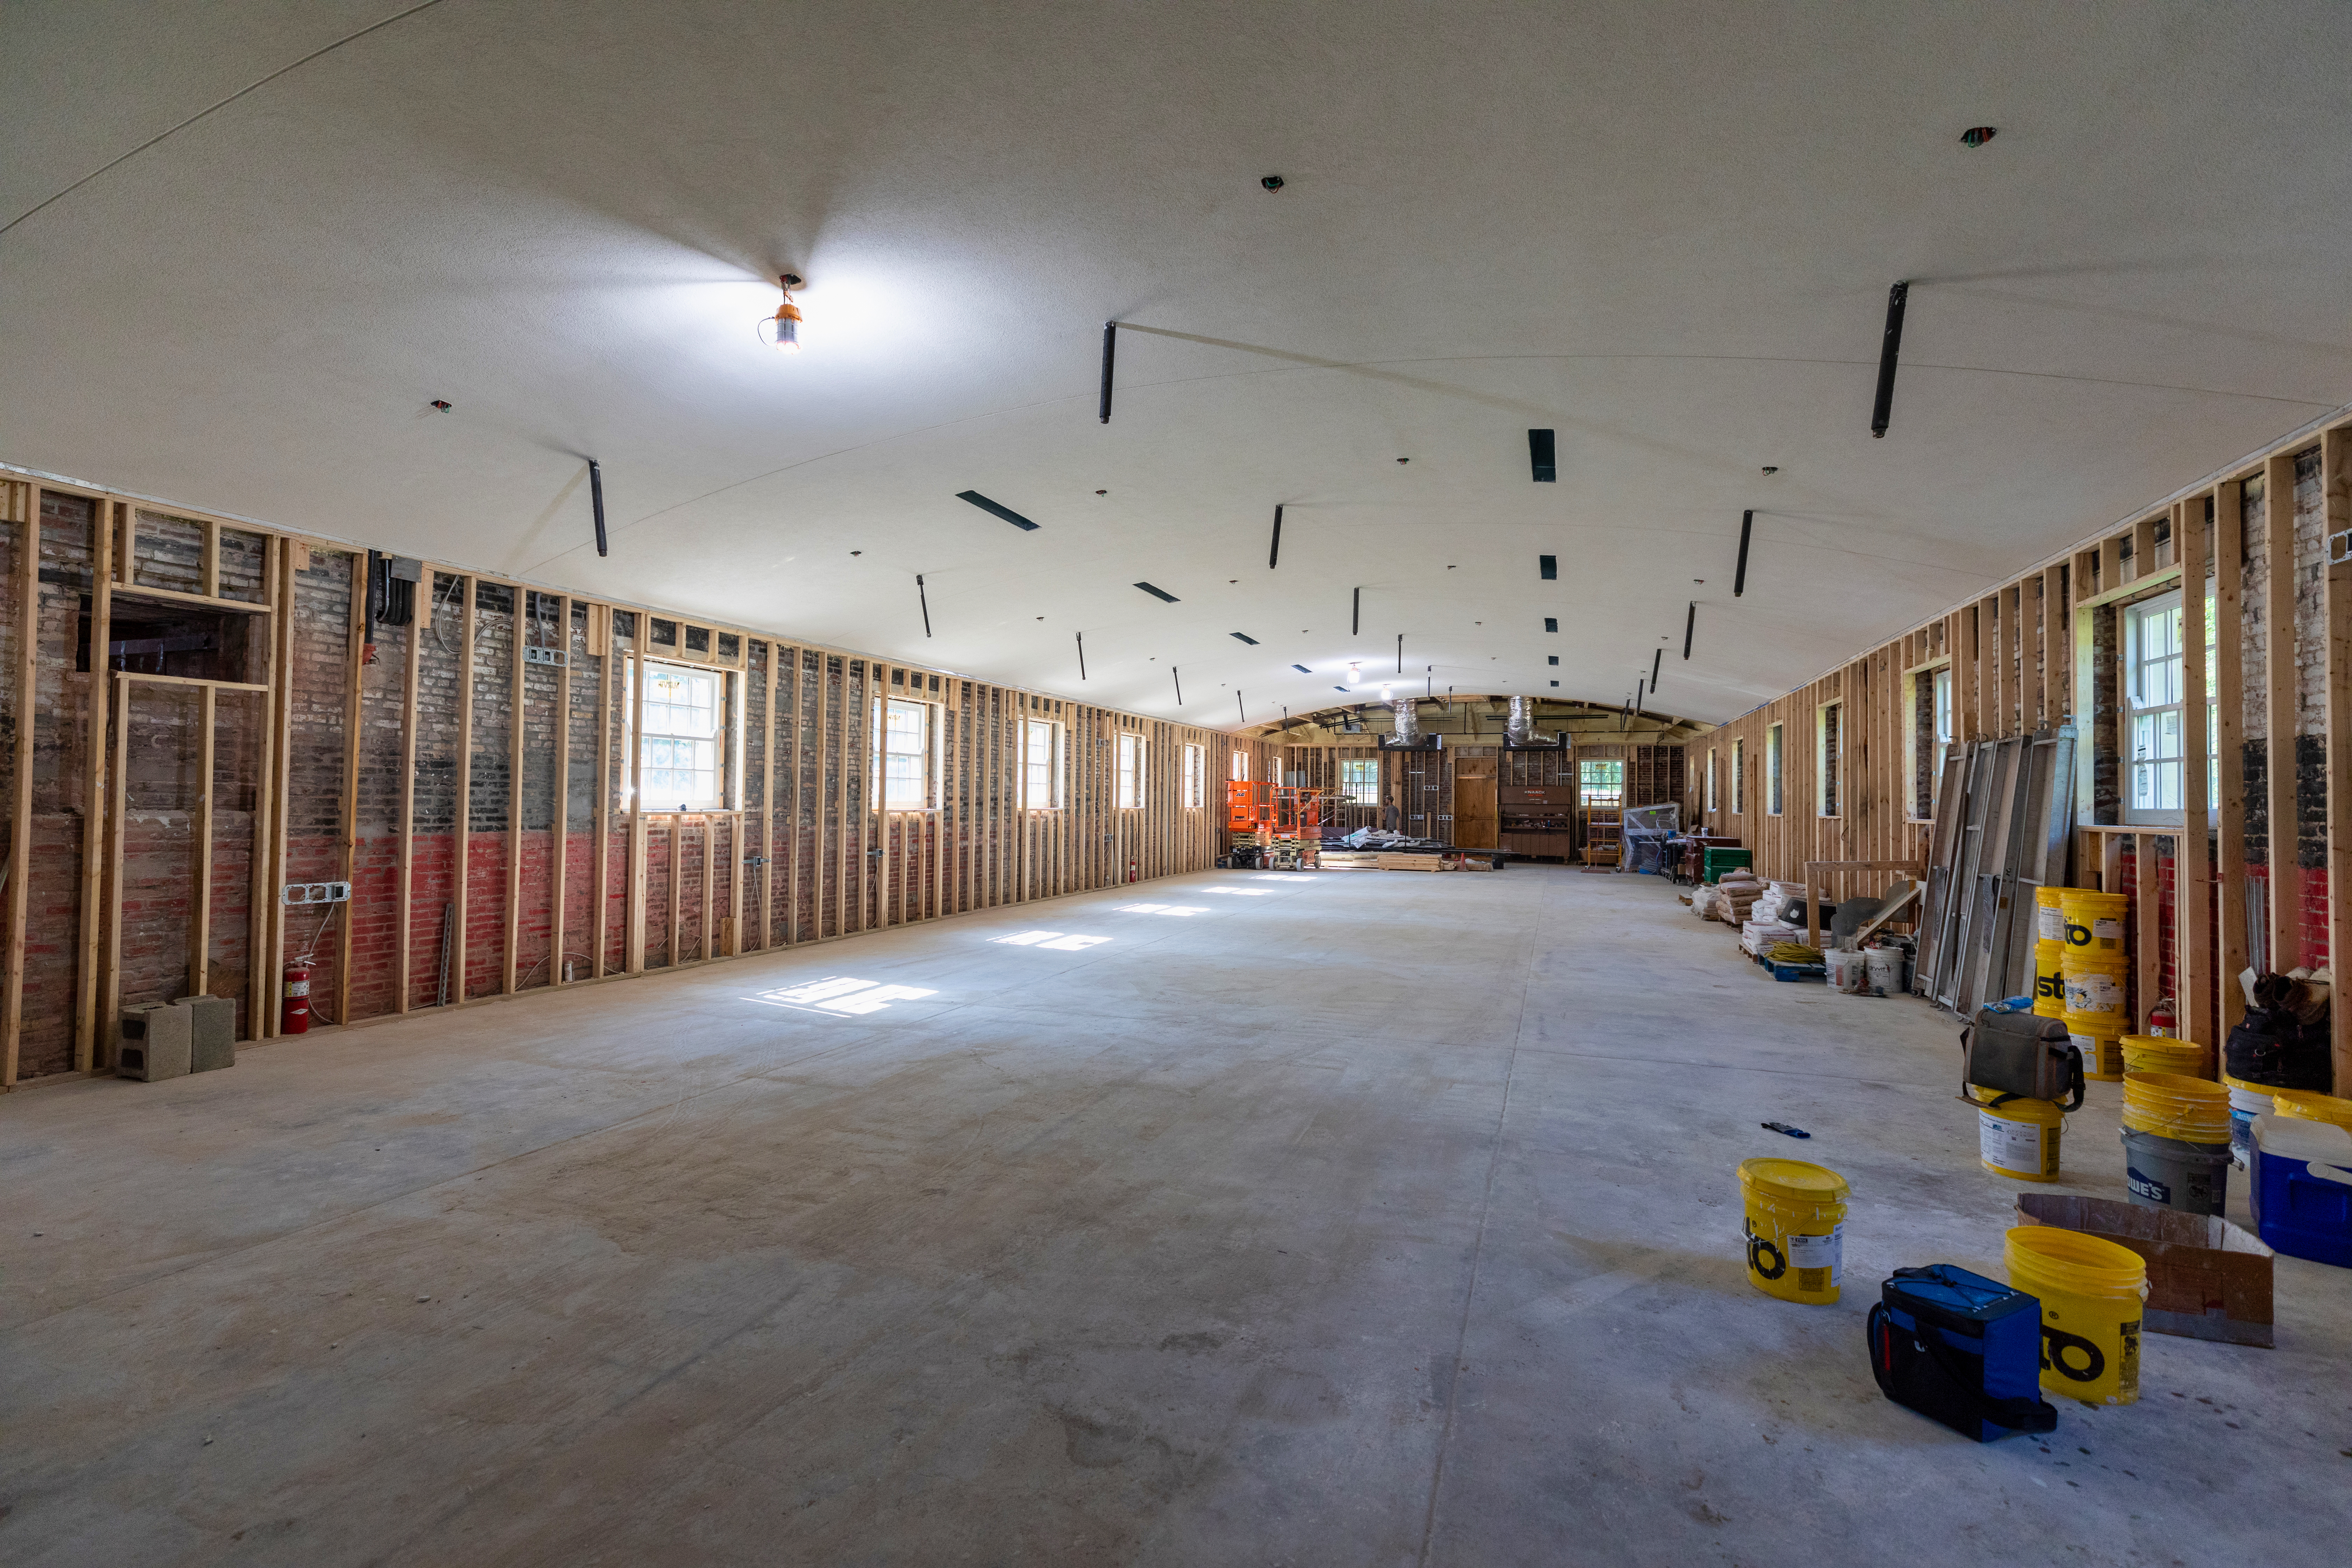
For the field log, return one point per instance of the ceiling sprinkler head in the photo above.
(1977, 135)
(1771, 469)
(1272, 182)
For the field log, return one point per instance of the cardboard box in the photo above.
(2207, 1278)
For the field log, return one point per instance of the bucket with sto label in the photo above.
(2094, 922)
(1795, 1226)
(2049, 979)
(2089, 1292)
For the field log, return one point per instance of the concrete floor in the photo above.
(1363, 1219)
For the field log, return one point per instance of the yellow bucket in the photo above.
(2307, 1105)
(2089, 1292)
(2049, 978)
(2096, 1036)
(2155, 1053)
(2018, 1139)
(1796, 1228)
(2049, 916)
(2095, 986)
(2190, 1109)
(2094, 922)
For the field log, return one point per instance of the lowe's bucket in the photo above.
(2168, 1174)
(1796, 1228)
(2091, 1292)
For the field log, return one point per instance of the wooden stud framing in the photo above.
(518, 622)
(462, 819)
(2279, 679)
(404, 847)
(20, 831)
(2230, 691)
(2193, 864)
(558, 824)
(282, 729)
(632, 765)
(200, 904)
(2335, 550)
(600, 640)
(96, 708)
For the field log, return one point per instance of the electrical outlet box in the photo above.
(545, 656)
(317, 893)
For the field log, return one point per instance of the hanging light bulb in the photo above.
(782, 331)
(1355, 674)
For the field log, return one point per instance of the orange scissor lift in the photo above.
(1285, 821)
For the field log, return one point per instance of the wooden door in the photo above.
(1478, 820)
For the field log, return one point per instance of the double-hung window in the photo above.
(2154, 730)
(1360, 781)
(1130, 772)
(681, 739)
(1829, 754)
(1738, 778)
(1775, 749)
(906, 756)
(1195, 767)
(1041, 764)
(1241, 767)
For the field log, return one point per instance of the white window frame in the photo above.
(927, 776)
(1196, 767)
(1042, 775)
(723, 739)
(2138, 710)
(1776, 770)
(1241, 767)
(1127, 777)
(1710, 780)
(1739, 778)
(1360, 781)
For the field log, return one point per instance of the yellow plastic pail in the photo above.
(2049, 978)
(2050, 916)
(2308, 1105)
(2096, 986)
(2190, 1109)
(2089, 1292)
(2019, 1138)
(2097, 1037)
(1796, 1228)
(2156, 1053)
(2094, 922)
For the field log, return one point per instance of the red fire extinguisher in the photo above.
(1130, 871)
(294, 1017)
(2162, 1019)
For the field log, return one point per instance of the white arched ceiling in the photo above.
(1665, 232)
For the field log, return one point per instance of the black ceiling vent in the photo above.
(1302, 670)
(1540, 456)
(1244, 637)
(1551, 623)
(1006, 512)
(1157, 593)
(1549, 566)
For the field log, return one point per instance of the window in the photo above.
(1941, 699)
(1195, 767)
(1738, 778)
(1710, 778)
(1603, 783)
(1241, 767)
(1775, 746)
(1826, 739)
(1041, 764)
(681, 764)
(1360, 781)
(1130, 772)
(2155, 744)
(906, 756)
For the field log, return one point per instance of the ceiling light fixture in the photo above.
(1355, 674)
(782, 331)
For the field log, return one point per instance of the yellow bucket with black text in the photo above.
(2049, 978)
(2102, 1052)
(2050, 916)
(2017, 1138)
(2089, 1292)
(2094, 922)
(1795, 1226)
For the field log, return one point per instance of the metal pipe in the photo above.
(1110, 354)
(1657, 659)
(596, 498)
(1520, 725)
(1890, 350)
(1690, 624)
(926, 599)
(1739, 578)
(1273, 553)
(1082, 655)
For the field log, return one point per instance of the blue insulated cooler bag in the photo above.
(1962, 1349)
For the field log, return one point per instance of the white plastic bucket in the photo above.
(1889, 969)
(1847, 970)
(2245, 1104)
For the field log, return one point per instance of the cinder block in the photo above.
(212, 1031)
(153, 1042)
